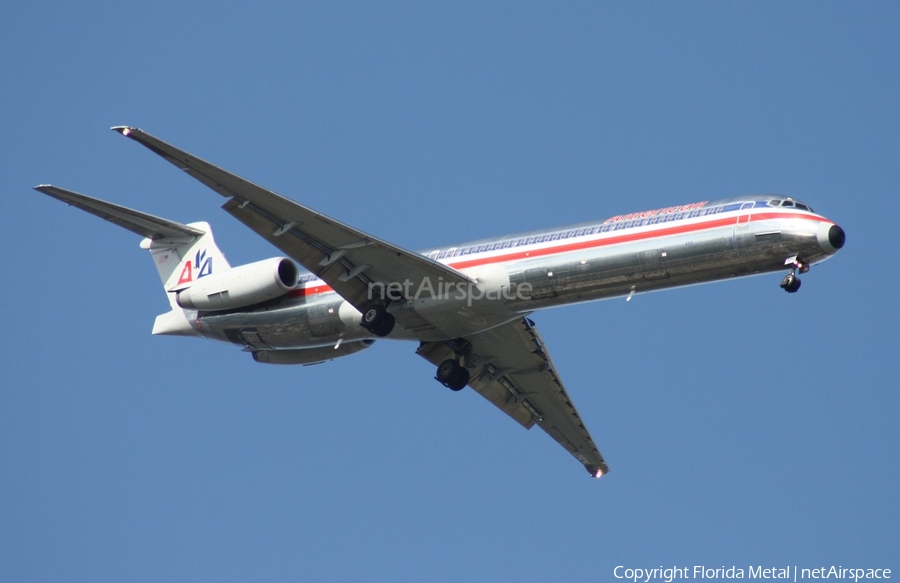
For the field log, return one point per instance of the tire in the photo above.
(461, 381)
(373, 317)
(452, 376)
(789, 283)
(447, 372)
(387, 325)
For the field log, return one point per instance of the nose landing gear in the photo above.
(791, 283)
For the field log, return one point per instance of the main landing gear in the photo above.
(452, 375)
(377, 320)
(791, 283)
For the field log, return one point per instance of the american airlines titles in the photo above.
(646, 214)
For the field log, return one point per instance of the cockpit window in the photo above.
(790, 203)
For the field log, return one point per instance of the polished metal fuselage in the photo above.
(591, 261)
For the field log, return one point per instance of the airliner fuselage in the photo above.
(619, 257)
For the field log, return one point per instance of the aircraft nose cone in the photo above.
(836, 236)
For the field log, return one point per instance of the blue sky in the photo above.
(743, 426)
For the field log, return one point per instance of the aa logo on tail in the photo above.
(201, 264)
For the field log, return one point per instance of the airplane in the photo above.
(469, 305)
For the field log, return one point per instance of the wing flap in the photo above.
(513, 370)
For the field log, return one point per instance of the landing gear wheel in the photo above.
(386, 327)
(377, 321)
(790, 283)
(452, 375)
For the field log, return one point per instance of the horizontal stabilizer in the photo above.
(135, 221)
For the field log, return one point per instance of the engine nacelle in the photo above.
(241, 286)
(310, 355)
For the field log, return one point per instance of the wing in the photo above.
(347, 259)
(513, 370)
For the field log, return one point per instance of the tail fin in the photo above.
(180, 261)
(181, 253)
